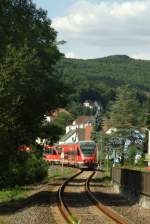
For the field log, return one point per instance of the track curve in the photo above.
(78, 205)
(113, 215)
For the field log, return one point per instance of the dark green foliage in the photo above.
(110, 71)
(97, 79)
(125, 115)
(63, 119)
(147, 113)
(98, 121)
(125, 111)
(135, 156)
(131, 153)
(75, 108)
(53, 130)
(25, 168)
(29, 83)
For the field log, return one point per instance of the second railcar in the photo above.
(82, 154)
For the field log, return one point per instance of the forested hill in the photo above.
(110, 71)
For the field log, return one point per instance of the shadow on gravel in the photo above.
(101, 179)
(112, 199)
(43, 198)
(74, 198)
(81, 200)
(47, 198)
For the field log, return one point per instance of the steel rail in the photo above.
(111, 214)
(61, 204)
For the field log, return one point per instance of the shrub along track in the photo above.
(78, 205)
(40, 207)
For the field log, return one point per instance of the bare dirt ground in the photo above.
(131, 211)
(39, 208)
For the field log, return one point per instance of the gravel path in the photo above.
(39, 208)
(131, 211)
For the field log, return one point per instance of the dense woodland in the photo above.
(112, 70)
(97, 79)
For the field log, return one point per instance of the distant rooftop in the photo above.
(84, 119)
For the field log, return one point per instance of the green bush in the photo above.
(26, 168)
(131, 153)
(37, 169)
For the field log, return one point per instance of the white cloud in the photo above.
(105, 28)
(128, 9)
(145, 56)
(70, 55)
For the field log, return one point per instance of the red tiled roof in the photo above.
(82, 119)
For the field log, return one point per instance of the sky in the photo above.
(99, 28)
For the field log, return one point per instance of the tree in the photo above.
(98, 121)
(125, 110)
(125, 115)
(29, 83)
(52, 131)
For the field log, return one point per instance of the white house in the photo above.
(79, 130)
(110, 131)
(70, 137)
(81, 122)
(88, 104)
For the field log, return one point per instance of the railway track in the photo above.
(79, 206)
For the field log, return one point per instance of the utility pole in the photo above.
(100, 148)
(62, 156)
(149, 147)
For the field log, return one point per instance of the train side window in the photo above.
(78, 152)
(54, 152)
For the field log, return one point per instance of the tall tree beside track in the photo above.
(29, 83)
(125, 110)
(125, 114)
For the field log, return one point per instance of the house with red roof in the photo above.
(79, 130)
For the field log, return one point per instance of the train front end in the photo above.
(88, 154)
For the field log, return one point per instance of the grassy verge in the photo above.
(58, 171)
(136, 168)
(18, 193)
(103, 178)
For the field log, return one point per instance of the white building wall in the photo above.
(74, 127)
(71, 127)
(71, 139)
(109, 131)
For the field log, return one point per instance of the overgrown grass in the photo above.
(58, 171)
(136, 168)
(15, 193)
(105, 179)
(18, 193)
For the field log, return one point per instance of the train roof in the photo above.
(90, 141)
(49, 147)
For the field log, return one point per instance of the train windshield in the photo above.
(50, 151)
(87, 148)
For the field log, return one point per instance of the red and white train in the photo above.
(82, 154)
